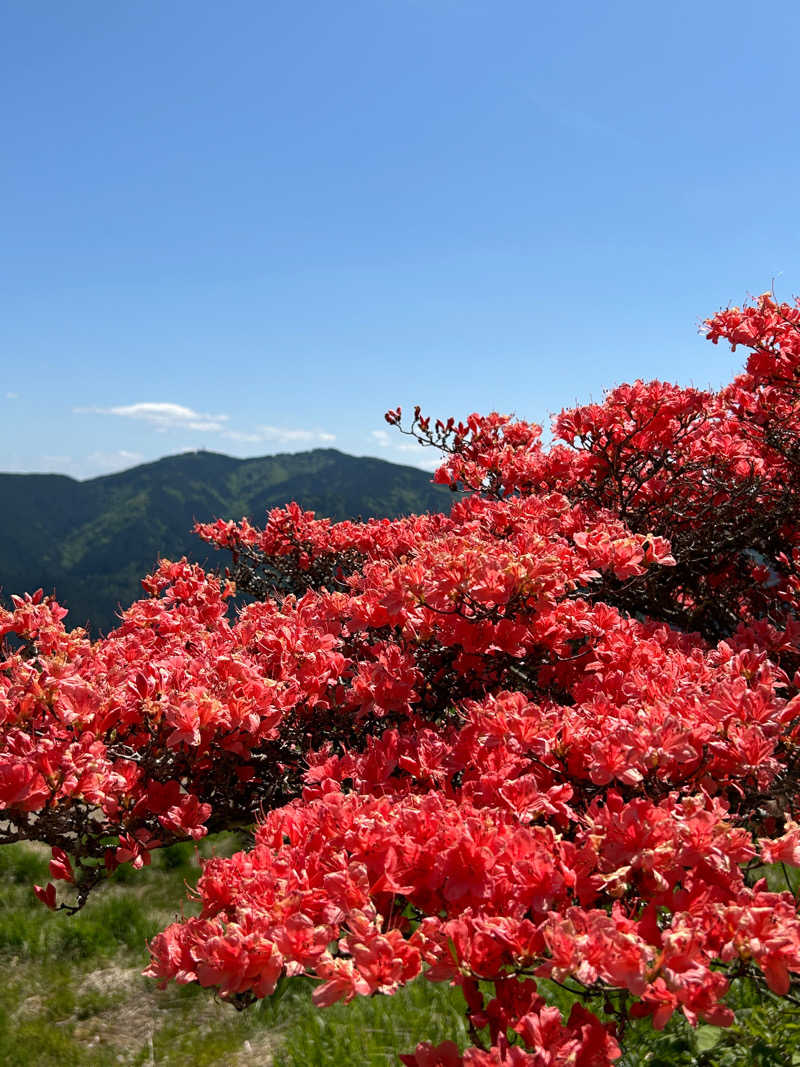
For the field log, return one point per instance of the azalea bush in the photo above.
(549, 741)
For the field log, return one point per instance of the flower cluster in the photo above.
(549, 736)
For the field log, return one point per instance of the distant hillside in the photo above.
(91, 542)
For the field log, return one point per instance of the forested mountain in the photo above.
(91, 542)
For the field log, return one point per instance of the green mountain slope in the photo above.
(91, 542)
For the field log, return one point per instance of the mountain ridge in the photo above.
(91, 541)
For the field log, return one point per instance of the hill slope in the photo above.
(91, 542)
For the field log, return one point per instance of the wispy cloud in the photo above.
(428, 463)
(389, 440)
(12, 396)
(426, 458)
(282, 435)
(108, 461)
(163, 416)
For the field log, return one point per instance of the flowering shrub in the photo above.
(550, 737)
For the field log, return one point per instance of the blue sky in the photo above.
(254, 226)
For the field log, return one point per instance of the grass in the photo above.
(73, 994)
(369, 1031)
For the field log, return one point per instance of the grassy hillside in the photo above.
(93, 541)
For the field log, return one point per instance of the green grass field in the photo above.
(73, 994)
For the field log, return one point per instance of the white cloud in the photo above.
(390, 440)
(243, 436)
(283, 435)
(429, 463)
(427, 459)
(166, 416)
(163, 416)
(119, 460)
(412, 446)
(12, 396)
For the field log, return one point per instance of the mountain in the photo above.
(91, 542)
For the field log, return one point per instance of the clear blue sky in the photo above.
(254, 226)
